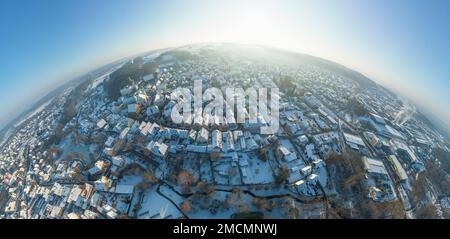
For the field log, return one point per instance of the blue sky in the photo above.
(403, 44)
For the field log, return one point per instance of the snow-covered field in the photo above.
(156, 206)
(258, 172)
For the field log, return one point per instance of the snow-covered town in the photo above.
(108, 148)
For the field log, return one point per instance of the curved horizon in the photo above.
(65, 40)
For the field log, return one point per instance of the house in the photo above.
(128, 100)
(244, 172)
(196, 148)
(101, 123)
(147, 129)
(237, 134)
(157, 148)
(74, 194)
(285, 154)
(306, 170)
(228, 138)
(251, 144)
(95, 199)
(154, 129)
(134, 109)
(99, 167)
(12, 206)
(103, 184)
(355, 143)
(310, 151)
(57, 189)
(373, 139)
(216, 139)
(302, 140)
(202, 136)
(133, 125)
(192, 135)
(87, 191)
(88, 214)
(142, 98)
(313, 178)
(124, 189)
(293, 128)
(152, 111)
(299, 183)
(73, 215)
(112, 214)
(142, 125)
(182, 133)
(118, 161)
(124, 133)
(168, 109)
(56, 212)
(109, 151)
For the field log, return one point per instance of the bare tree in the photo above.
(185, 206)
(185, 180)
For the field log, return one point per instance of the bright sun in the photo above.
(255, 24)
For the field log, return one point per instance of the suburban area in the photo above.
(107, 147)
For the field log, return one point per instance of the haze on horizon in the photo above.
(400, 44)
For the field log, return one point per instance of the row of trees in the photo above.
(423, 208)
(349, 183)
(4, 197)
(69, 111)
(123, 77)
(443, 156)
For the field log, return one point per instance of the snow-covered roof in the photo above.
(374, 166)
(124, 189)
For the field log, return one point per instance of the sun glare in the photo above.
(262, 24)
